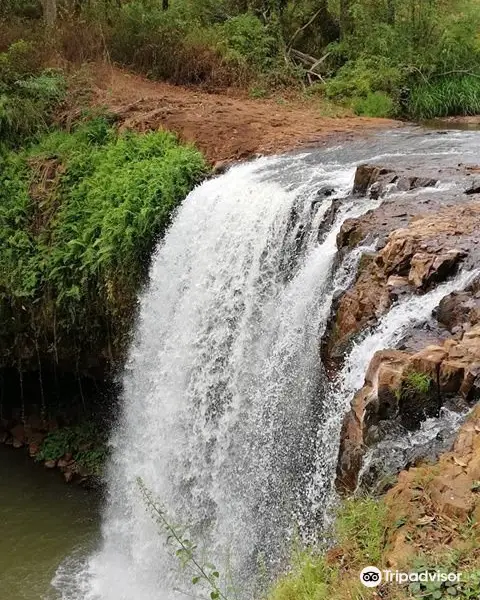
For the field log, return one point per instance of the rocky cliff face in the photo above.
(420, 242)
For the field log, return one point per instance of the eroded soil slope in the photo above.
(224, 127)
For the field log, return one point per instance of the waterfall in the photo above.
(227, 416)
(222, 388)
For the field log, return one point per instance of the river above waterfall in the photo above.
(42, 520)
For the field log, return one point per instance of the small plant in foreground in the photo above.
(203, 574)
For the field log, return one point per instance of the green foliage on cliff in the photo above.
(80, 214)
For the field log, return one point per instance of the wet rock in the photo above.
(398, 286)
(68, 475)
(426, 269)
(459, 308)
(18, 435)
(50, 464)
(407, 388)
(350, 234)
(377, 178)
(451, 376)
(414, 258)
(325, 192)
(470, 387)
(33, 449)
(367, 175)
(422, 182)
(474, 188)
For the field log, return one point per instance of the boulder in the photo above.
(18, 435)
(458, 308)
(426, 268)
(366, 175)
(474, 187)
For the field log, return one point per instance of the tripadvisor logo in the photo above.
(371, 576)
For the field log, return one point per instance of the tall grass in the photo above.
(360, 533)
(445, 97)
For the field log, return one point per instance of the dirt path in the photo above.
(224, 127)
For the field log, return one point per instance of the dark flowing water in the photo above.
(41, 521)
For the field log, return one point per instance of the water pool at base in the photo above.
(42, 520)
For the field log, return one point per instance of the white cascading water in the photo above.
(222, 388)
(226, 416)
(390, 330)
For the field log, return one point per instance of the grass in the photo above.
(316, 575)
(445, 97)
(419, 383)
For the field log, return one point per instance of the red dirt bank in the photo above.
(224, 127)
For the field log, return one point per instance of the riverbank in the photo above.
(227, 127)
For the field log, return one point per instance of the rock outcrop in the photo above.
(419, 245)
(414, 258)
(407, 387)
(430, 503)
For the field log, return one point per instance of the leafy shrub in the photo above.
(358, 79)
(376, 104)
(248, 39)
(80, 214)
(85, 442)
(27, 95)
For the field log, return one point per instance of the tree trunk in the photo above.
(164, 4)
(345, 18)
(49, 12)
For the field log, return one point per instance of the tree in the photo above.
(345, 18)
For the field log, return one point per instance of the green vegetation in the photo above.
(363, 531)
(85, 443)
(360, 532)
(202, 574)
(418, 58)
(80, 213)
(419, 383)
(468, 588)
(28, 94)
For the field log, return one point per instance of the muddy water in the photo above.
(41, 521)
